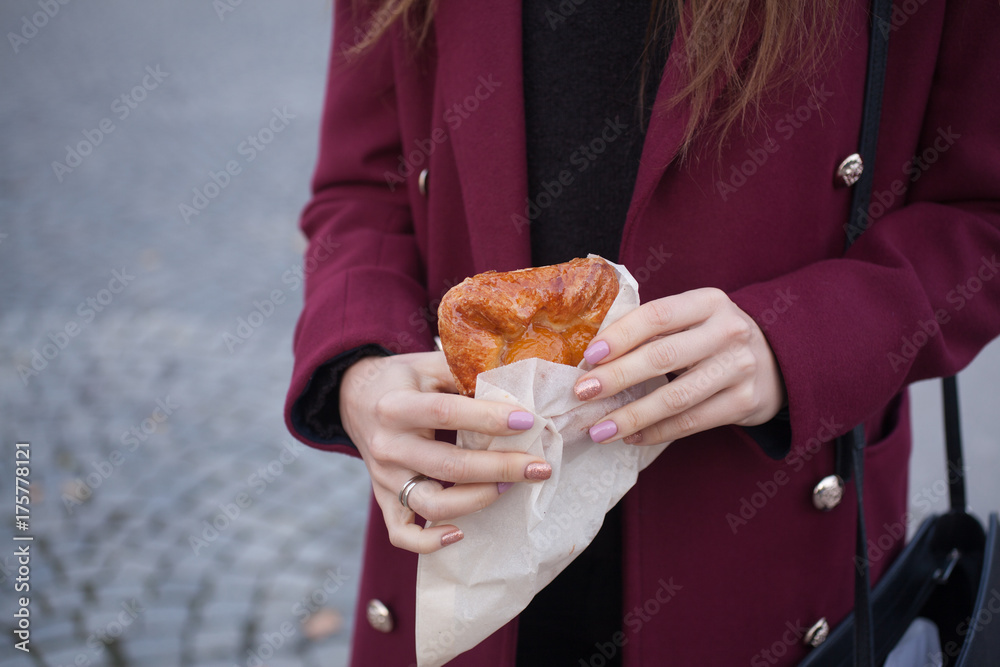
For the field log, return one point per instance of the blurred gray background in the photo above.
(209, 539)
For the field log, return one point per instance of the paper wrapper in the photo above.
(516, 546)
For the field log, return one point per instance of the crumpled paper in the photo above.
(516, 546)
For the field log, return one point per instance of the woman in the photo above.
(477, 136)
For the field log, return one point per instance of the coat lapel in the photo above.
(666, 127)
(479, 50)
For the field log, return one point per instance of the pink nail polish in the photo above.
(538, 471)
(520, 420)
(633, 439)
(603, 431)
(503, 486)
(587, 389)
(452, 537)
(596, 352)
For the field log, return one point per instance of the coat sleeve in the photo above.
(364, 273)
(918, 295)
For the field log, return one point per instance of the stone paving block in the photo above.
(233, 594)
(164, 619)
(120, 589)
(67, 656)
(217, 644)
(220, 617)
(154, 648)
(328, 655)
(49, 630)
(174, 591)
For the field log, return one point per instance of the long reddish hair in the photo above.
(784, 41)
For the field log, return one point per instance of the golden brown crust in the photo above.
(549, 312)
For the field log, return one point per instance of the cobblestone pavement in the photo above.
(208, 537)
(175, 521)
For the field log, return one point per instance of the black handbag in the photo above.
(949, 573)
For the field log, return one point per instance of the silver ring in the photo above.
(404, 493)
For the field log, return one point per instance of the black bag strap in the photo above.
(864, 634)
(878, 56)
(953, 444)
(850, 446)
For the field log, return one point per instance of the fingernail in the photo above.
(632, 439)
(538, 471)
(520, 421)
(587, 389)
(603, 431)
(596, 352)
(503, 486)
(452, 537)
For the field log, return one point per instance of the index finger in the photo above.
(451, 412)
(655, 318)
(446, 462)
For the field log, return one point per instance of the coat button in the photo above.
(828, 493)
(817, 634)
(379, 616)
(422, 181)
(849, 171)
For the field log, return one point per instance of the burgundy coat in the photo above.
(726, 560)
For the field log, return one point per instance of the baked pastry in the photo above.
(550, 312)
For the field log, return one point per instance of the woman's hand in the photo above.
(390, 408)
(725, 370)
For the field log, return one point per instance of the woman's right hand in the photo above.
(390, 408)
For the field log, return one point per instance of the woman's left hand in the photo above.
(725, 370)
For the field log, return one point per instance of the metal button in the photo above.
(850, 170)
(422, 182)
(817, 634)
(379, 616)
(828, 493)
